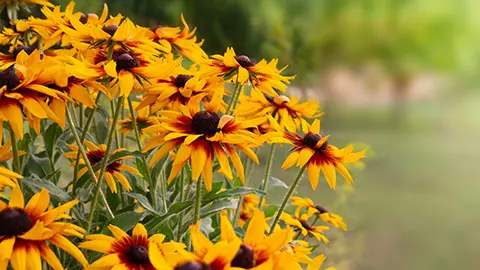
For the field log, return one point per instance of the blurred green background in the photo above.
(400, 76)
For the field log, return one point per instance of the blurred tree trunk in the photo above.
(401, 82)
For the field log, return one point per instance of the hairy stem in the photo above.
(268, 170)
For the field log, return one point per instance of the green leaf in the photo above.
(218, 206)
(141, 168)
(36, 184)
(39, 166)
(275, 182)
(165, 229)
(233, 192)
(51, 136)
(270, 210)
(179, 207)
(126, 221)
(142, 200)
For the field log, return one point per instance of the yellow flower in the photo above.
(181, 40)
(314, 151)
(317, 262)
(129, 252)
(301, 250)
(202, 135)
(257, 250)
(24, 87)
(8, 178)
(286, 110)
(262, 75)
(324, 214)
(143, 120)
(300, 223)
(26, 232)
(95, 155)
(5, 153)
(177, 88)
(248, 208)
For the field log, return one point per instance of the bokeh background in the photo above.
(397, 76)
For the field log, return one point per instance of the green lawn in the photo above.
(415, 204)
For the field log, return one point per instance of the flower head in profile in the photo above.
(288, 111)
(113, 171)
(8, 178)
(123, 251)
(240, 68)
(313, 151)
(202, 135)
(312, 209)
(27, 232)
(182, 41)
(143, 120)
(249, 206)
(317, 263)
(301, 223)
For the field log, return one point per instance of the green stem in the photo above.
(122, 136)
(198, 200)
(117, 140)
(80, 114)
(104, 163)
(182, 198)
(144, 159)
(16, 159)
(81, 149)
(268, 170)
(235, 96)
(287, 197)
(82, 138)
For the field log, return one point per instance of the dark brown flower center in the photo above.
(205, 123)
(84, 18)
(244, 61)
(269, 98)
(110, 29)
(9, 78)
(192, 265)
(244, 258)
(137, 255)
(321, 209)
(125, 60)
(311, 141)
(113, 167)
(14, 221)
(305, 225)
(95, 156)
(18, 49)
(181, 80)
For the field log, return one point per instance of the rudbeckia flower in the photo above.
(324, 214)
(24, 88)
(178, 88)
(248, 208)
(123, 251)
(288, 111)
(7, 60)
(181, 40)
(301, 250)
(96, 154)
(242, 69)
(27, 232)
(301, 223)
(5, 153)
(202, 135)
(257, 250)
(143, 120)
(314, 151)
(317, 263)
(8, 178)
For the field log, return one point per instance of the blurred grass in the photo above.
(415, 204)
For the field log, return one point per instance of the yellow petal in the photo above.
(16, 198)
(313, 172)
(6, 248)
(330, 175)
(111, 69)
(344, 172)
(304, 157)
(126, 82)
(118, 233)
(291, 160)
(139, 231)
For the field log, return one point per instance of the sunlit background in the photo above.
(399, 77)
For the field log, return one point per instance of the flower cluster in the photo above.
(178, 129)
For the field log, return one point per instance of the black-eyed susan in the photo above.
(288, 111)
(324, 214)
(5, 153)
(8, 59)
(301, 250)
(178, 88)
(313, 151)
(123, 251)
(243, 70)
(8, 178)
(143, 120)
(202, 135)
(27, 232)
(301, 223)
(317, 263)
(249, 206)
(24, 90)
(114, 169)
(182, 41)
(257, 249)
